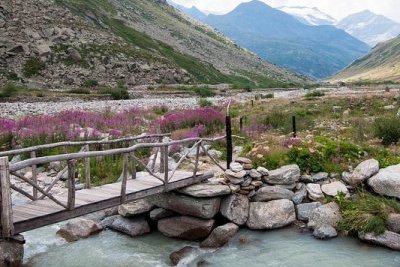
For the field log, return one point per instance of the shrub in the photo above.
(365, 213)
(203, 91)
(118, 93)
(270, 95)
(202, 102)
(282, 121)
(90, 83)
(160, 110)
(387, 129)
(32, 67)
(314, 93)
(79, 91)
(309, 162)
(9, 90)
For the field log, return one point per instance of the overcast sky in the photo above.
(336, 8)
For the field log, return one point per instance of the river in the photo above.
(284, 248)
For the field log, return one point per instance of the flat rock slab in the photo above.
(185, 227)
(235, 208)
(387, 239)
(334, 188)
(136, 207)
(289, 174)
(220, 236)
(199, 207)
(131, 226)
(387, 182)
(268, 193)
(79, 228)
(314, 191)
(271, 215)
(205, 190)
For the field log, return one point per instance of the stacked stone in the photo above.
(243, 179)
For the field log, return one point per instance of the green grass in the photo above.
(79, 91)
(202, 102)
(365, 213)
(314, 94)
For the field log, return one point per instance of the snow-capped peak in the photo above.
(309, 15)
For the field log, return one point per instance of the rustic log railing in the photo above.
(164, 173)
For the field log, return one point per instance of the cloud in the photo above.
(336, 8)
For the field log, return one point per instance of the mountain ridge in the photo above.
(316, 51)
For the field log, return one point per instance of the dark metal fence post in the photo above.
(241, 124)
(229, 150)
(294, 126)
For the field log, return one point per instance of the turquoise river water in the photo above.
(281, 248)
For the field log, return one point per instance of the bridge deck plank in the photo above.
(35, 214)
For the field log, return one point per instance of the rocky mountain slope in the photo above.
(316, 51)
(66, 43)
(370, 27)
(381, 65)
(309, 15)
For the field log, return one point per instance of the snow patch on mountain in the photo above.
(309, 15)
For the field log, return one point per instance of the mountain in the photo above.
(67, 43)
(316, 51)
(192, 12)
(381, 65)
(370, 27)
(308, 15)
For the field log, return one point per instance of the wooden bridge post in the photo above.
(124, 177)
(161, 157)
(6, 214)
(34, 176)
(133, 165)
(87, 168)
(165, 167)
(196, 164)
(71, 185)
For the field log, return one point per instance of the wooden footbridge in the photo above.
(44, 208)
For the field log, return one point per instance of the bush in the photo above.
(119, 93)
(309, 162)
(202, 102)
(365, 213)
(90, 83)
(203, 91)
(160, 110)
(387, 129)
(315, 93)
(79, 91)
(270, 95)
(9, 90)
(32, 67)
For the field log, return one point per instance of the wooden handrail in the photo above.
(81, 155)
(78, 143)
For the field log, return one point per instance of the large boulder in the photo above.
(199, 207)
(393, 222)
(268, 193)
(185, 227)
(220, 236)
(289, 174)
(136, 207)
(387, 181)
(131, 226)
(271, 215)
(235, 208)
(305, 210)
(332, 189)
(314, 191)
(325, 232)
(12, 251)
(364, 171)
(79, 228)
(328, 214)
(387, 239)
(179, 255)
(206, 190)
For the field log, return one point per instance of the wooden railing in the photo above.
(129, 157)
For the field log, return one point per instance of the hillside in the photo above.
(370, 27)
(381, 65)
(66, 43)
(316, 51)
